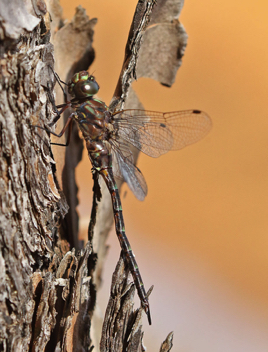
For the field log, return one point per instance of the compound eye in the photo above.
(90, 88)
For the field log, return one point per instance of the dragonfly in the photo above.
(108, 136)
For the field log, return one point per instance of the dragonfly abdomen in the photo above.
(98, 154)
(107, 174)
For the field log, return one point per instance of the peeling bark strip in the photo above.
(164, 43)
(121, 327)
(128, 73)
(167, 344)
(62, 317)
(77, 35)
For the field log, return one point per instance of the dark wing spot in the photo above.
(196, 111)
(162, 125)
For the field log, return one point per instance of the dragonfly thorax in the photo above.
(91, 117)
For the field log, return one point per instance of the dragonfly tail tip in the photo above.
(149, 316)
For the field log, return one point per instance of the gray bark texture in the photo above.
(48, 280)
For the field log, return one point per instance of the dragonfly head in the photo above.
(83, 85)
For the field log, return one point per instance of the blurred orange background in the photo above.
(201, 235)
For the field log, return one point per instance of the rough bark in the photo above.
(48, 281)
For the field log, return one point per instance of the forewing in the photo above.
(155, 133)
(187, 127)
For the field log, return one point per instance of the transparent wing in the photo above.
(155, 133)
(124, 168)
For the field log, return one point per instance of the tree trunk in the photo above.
(48, 280)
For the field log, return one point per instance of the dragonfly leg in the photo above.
(96, 198)
(57, 117)
(68, 122)
(59, 82)
(51, 98)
